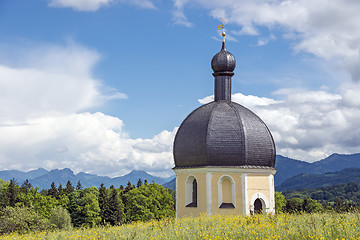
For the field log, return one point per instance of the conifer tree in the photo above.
(69, 188)
(53, 191)
(103, 204)
(12, 192)
(4, 194)
(26, 186)
(78, 186)
(128, 187)
(115, 208)
(139, 183)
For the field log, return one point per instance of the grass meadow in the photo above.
(280, 226)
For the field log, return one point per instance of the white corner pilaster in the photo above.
(208, 193)
(245, 193)
(176, 196)
(272, 194)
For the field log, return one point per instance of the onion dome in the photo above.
(223, 133)
(223, 62)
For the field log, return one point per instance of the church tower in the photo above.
(224, 154)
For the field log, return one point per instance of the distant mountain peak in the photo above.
(63, 172)
(137, 171)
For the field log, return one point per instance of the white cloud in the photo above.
(49, 80)
(309, 125)
(94, 5)
(329, 29)
(178, 14)
(140, 3)
(261, 42)
(81, 5)
(94, 143)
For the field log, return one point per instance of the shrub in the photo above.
(60, 218)
(21, 220)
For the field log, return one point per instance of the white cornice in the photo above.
(262, 171)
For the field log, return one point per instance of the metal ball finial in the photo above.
(223, 34)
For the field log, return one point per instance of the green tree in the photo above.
(128, 188)
(4, 196)
(311, 206)
(69, 188)
(139, 183)
(12, 192)
(78, 186)
(116, 208)
(103, 203)
(60, 218)
(21, 220)
(60, 190)
(26, 186)
(84, 207)
(53, 191)
(294, 205)
(280, 202)
(40, 203)
(149, 201)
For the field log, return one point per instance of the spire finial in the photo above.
(222, 26)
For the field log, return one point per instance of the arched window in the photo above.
(191, 192)
(226, 192)
(259, 204)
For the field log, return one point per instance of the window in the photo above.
(226, 192)
(191, 192)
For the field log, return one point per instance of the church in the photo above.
(224, 154)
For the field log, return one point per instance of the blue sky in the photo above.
(101, 85)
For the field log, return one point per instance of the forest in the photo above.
(25, 208)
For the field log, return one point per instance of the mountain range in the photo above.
(43, 178)
(291, 174)
(308, 180)
(287, 167)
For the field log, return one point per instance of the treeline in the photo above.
(349, 192)
(303, 203)
(25, 208)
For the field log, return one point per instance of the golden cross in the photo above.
(222, 25)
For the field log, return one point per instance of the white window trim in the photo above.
(189, 189)
(220, 193)
(264, 202)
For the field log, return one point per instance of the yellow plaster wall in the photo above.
(215, 177)
(182, 210)
(227, 191)
(258, 184)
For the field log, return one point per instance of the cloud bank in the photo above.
(45, 94)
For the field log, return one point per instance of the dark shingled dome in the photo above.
(223, 133)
